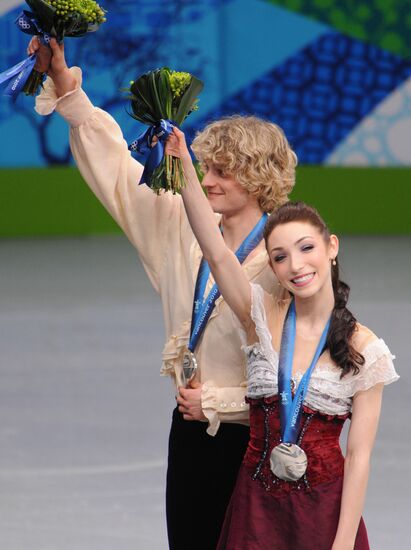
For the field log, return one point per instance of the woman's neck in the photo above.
(238, 225)
(314, 312)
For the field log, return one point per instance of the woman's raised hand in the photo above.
(176, 145)
(51, 60)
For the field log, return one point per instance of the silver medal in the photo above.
(189, 366)
(288, 461)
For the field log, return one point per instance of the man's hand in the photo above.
(52, 61)
(189, 402)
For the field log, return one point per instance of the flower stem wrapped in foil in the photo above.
(50, 19)
(162, 98)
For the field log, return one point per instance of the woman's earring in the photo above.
(334, 262)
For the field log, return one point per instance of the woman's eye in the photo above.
(307, 247)
(279, 258)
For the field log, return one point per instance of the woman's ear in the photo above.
(334, 246)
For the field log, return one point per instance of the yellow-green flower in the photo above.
(92, 12)
(179, 82)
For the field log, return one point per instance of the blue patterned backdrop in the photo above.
(340, 100)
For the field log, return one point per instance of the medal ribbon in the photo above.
(291, 407)
(202, 309)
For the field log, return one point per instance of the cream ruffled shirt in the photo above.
(158, 228)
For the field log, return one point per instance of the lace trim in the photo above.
(327, 392)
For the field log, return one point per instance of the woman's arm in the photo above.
(364, 422)
(226, 269)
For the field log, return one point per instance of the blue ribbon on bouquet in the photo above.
(142, 145)
(18, 75)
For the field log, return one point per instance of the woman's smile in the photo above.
(303, 280)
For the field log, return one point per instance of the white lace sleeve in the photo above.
(262, 359)
(331, 394)
(378, 368)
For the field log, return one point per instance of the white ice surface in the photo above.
(85, 415)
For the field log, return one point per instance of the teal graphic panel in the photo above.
(335, 75)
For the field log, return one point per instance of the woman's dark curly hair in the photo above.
(343, 322)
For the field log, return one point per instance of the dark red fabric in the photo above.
(266, 513)
(320, 440)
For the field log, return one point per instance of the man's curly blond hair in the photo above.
(254, 152)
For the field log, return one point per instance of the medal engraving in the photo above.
(189, 366)
(288, 461)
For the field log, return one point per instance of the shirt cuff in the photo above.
(209, 406)
(219, 402)
(74, 106)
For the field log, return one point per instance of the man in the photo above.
(249, 169)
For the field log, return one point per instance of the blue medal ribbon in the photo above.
(291, 407)
(142, 145)
(202, 309)
(19, 74)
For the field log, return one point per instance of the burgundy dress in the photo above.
(265, 512)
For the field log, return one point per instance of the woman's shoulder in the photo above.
(378, 360)
(368, 344)
(363, 337)
(272, 302)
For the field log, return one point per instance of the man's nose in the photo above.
(208, 181)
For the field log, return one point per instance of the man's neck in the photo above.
(237, 226)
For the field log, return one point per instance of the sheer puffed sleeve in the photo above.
(150, 222)
(378, 368)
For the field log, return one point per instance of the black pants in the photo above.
(202, 471)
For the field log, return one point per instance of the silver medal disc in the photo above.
(189, 366)
(288, 461)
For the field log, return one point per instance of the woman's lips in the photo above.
(303, 280)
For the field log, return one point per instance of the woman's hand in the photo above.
(51, 60)
(176, 145)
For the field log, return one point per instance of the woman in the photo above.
(310, 367)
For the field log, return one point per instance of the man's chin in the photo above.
(215, 208)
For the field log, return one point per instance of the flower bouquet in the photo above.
(50, 19)
(162, 98)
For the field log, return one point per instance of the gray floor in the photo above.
(84, 414)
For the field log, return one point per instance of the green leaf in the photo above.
(188, 99)
(165, 92)
(142, 104)
(44, 13)
(157, 105)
